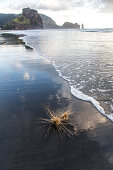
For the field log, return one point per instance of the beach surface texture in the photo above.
(28, 82)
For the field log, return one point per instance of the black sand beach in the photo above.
(27, 82)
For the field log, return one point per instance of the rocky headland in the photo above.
(69, 25)
(31, 19)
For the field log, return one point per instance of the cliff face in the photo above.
(29, 19)
(48, 22)
(33, 16)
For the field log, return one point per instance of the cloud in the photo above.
(58, 5)
(43, 5)
(52, 5)
(107, 6)
(103, 5)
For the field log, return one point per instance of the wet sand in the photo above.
(27, 82)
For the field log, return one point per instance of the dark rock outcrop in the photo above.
(82, 27)
(29, 19)
(34, 17)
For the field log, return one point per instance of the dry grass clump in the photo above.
(59, 121)
(56, 120)
(65, 115)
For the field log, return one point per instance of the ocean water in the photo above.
(83, 58)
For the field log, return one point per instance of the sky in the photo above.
(92, 13)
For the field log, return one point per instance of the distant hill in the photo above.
(5, 18)
(69, 25)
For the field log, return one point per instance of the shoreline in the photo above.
(21, 38)
(21, 138)
(75, 92)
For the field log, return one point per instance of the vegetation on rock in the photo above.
(21, 20)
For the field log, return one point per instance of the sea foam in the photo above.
(75, 92)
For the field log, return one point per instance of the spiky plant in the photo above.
(64, 116)
(57, 120)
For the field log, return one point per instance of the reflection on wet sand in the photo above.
(89, 121)
(18, 65)
(26, 76)
(23, 144)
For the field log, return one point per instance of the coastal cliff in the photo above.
(29, 19)
(49, 23)
(33, 16)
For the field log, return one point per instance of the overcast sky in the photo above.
(92, 13)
